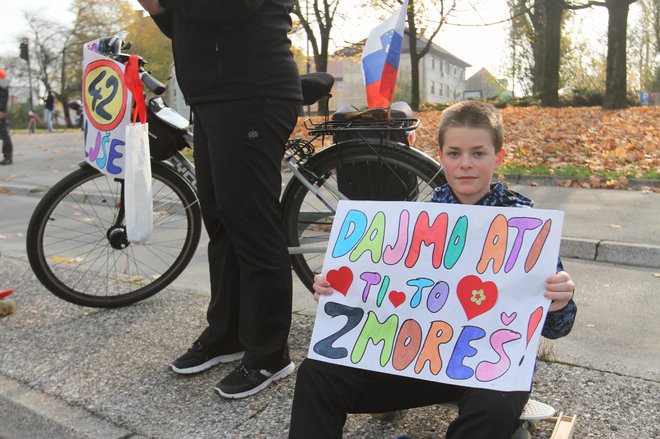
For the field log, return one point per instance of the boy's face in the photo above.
(469, 159)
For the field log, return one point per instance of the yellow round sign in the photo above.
(104, 94)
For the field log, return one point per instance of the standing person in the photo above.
(235, 68)
(7, 147)
(49, 102)
(470, 139)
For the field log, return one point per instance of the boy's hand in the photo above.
(321, 287)
(559, 288)
(152, 6)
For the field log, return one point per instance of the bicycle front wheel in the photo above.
(358, 172)
(77, 246)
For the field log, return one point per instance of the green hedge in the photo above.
(577, 98)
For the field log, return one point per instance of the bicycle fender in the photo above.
(385, 144)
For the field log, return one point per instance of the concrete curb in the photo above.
(613, 252)
(30, 413)
(637, 255)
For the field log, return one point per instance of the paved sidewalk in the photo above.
(71, 372)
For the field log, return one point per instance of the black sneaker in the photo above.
(244, 382)
(196, 360)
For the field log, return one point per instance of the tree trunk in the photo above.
(321, 65)
(550, 90)
(538, 46)
(615, 83)
(414, 58)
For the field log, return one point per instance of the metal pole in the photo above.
(307, 57)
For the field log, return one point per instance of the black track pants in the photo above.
(326, 392)
(238, 154)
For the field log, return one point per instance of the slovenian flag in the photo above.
(380, 59)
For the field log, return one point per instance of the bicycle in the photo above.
(76, 238)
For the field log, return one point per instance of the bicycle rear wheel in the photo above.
(78, 249)
(360, 172)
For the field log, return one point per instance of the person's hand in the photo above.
(152, 6)
(2, 115)
(559, 288)
(321, 287)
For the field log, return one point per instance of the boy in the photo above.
(470, 140)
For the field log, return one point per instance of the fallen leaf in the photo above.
(656, 275)
(614, 226)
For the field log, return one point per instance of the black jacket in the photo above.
(231, 49)
(50, 102)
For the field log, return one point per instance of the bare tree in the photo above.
(444, 9)
(317, 18)
(425, 19)
(49, 41)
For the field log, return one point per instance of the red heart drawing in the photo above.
(476, 297)
(341, 279)
(397, 298)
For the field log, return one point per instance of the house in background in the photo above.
(484, 85)
(441, 76)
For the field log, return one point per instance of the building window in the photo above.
(432, 87)
(432, 63)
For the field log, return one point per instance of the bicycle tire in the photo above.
(308, 222)
(72, 231)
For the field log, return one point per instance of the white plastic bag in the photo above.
(138, 202)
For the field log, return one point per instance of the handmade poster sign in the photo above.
(106, 109)
(441, 292)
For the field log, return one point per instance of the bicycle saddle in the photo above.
(315, 86)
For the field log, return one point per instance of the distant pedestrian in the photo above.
(49, 102)
(7, 147)
(32, 122)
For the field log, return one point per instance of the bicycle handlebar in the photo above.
(152, 83)
(113, 46)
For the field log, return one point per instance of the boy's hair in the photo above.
(473, 114)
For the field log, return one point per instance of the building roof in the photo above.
(481, 78)
(356, 49)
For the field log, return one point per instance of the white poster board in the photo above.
(106, 107)
(441, 292)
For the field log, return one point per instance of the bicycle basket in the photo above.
(376, 182)
(164, 139)
(399, 111)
